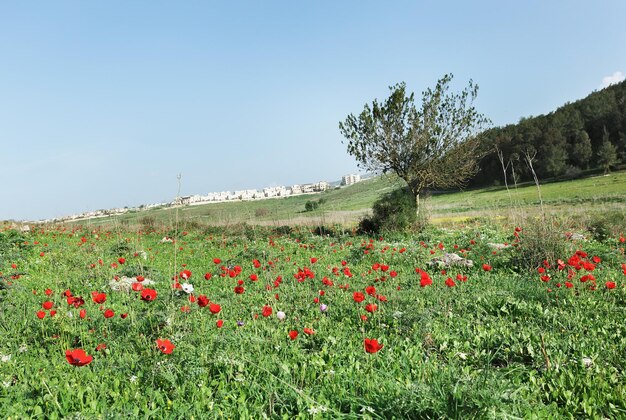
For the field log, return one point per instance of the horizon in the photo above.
(103, 106)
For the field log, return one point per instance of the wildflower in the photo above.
(371, 308)
(280, 315)
(610, 285)
(41, 314)
(148, 295)
(219, 323)
(425, 279)
(293, 334)
(165, 345)
(47, 305)
(358, 297)
(187, 288)
(267, 311)
(309, 331)
(202, 301)
(487, 267)
(372, 345)
(78, 357)
(323, 307)
(215, 308)
(98, 297)
(109, 313)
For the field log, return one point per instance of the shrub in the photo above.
(540, 240)
(393, 212)
(311, 205)
(261, 212)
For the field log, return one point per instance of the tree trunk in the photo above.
(417, 205)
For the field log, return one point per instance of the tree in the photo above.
(553, 153)
(433, 146)
(581, 149)
(607, 153)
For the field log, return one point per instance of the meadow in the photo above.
(347, 205)
(192, 320)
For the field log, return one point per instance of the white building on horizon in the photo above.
(350, 179)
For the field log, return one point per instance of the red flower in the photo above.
(101, 347)
(41, 314)
(254, 277)
(370, 290)
(185, 274)
(208, 276)
(569, 285)
(47, 305)
(140, 278)
(98, 297)
(215, 308)
(82, 314)
(137, 286)
(219, 323)
(267, 311)
(358, 297)
(610, 285)
(216, 260)
(370, 307)
(393, 274)
(121, 260)
(450, 282)
(165, 345)
(371, 345)
(313, 260)
(309, 331)
(425, 279)
(203, 301)
(48, 292)
(78, 357)
(148, 295)
(109, 313)
(293, 334)
(486, 267)
(239, 290)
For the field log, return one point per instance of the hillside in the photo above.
(580, 137)
(347, 205)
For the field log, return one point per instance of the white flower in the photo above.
(133, 379)
(5, 358)
(6, 384)
(187, 288)
(280, 315)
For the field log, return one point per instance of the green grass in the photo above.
(347, 205)
(474, 350)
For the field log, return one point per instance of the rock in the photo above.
(450, 260)
(124, 284)
(574, 236)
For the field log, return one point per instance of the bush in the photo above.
(311, 205)
(541, 241)
(393, 212)
(261, 212)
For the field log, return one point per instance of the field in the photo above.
(347, 205)
(257, 321)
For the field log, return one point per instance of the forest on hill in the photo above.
(588, 135)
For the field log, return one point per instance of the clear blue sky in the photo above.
(103, 103)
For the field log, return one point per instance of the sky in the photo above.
(104, 103)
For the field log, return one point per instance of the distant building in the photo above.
(350, 179)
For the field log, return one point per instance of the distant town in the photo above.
(219, 197)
